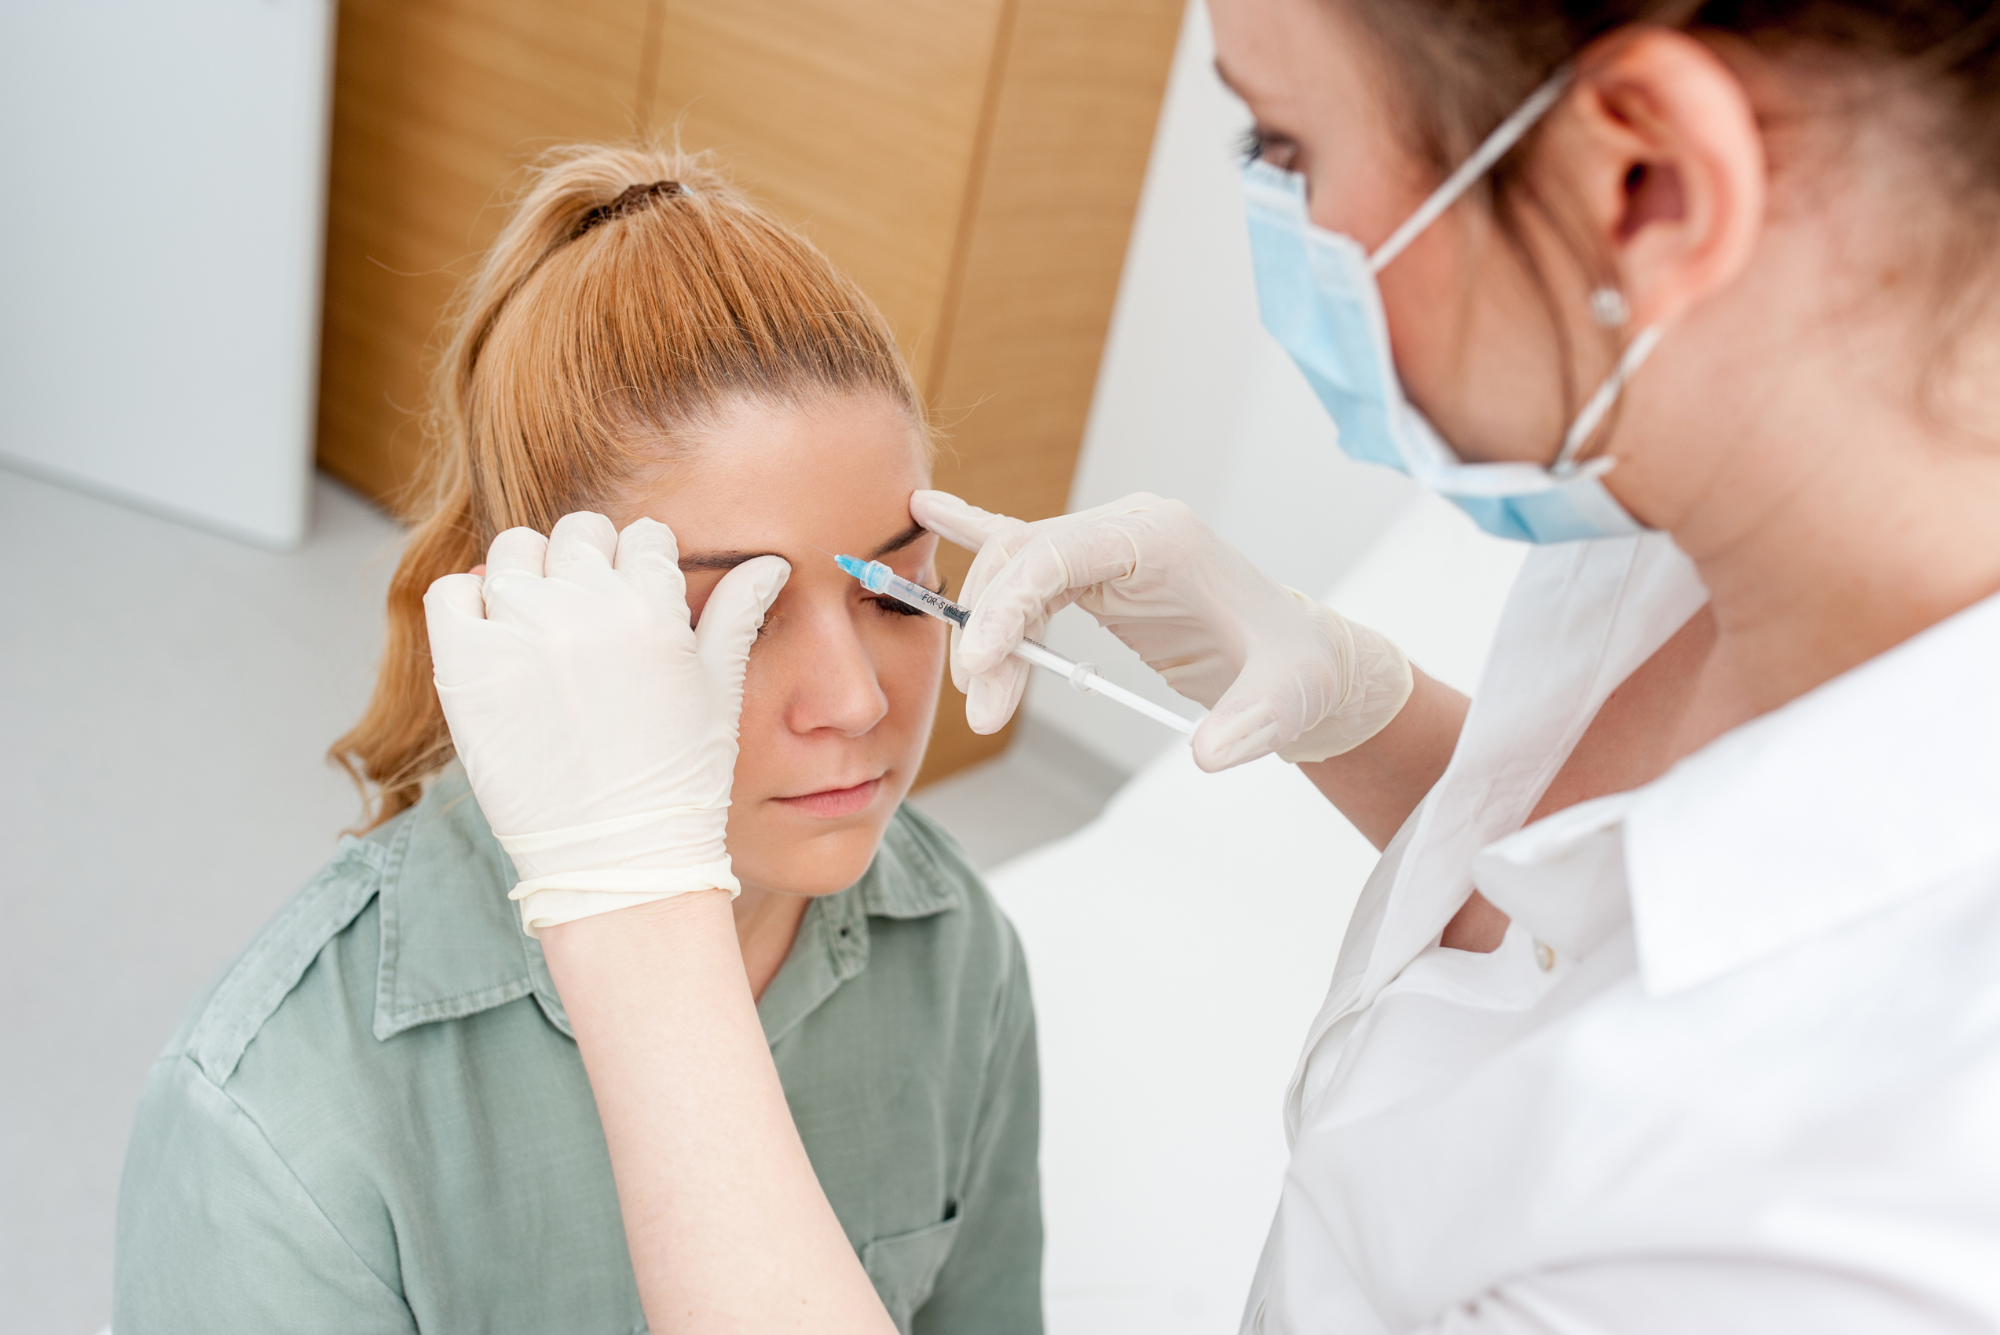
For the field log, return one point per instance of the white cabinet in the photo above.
(162, 199)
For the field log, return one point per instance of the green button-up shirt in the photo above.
(376, 1119)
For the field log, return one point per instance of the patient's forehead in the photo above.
(834, 474)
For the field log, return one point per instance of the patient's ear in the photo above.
(1660, 145)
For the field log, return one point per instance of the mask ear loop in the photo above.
(1592, 416)
(1491, 149)
(1494, 147)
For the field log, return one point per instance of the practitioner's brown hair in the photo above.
(634, 297)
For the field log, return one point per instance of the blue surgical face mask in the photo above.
(1318, 296)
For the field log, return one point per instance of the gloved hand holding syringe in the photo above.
(878, 578)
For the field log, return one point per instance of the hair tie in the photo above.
(631, 199)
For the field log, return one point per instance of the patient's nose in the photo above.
(837, 687)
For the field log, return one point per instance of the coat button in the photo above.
(1545, 956)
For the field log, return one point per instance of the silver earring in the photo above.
(1608, 307)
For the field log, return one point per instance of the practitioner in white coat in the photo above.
(1672, 1005)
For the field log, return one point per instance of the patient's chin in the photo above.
(823, 865)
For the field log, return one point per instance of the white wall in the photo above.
(1194, 401)
(1179, 946)
(160, 252)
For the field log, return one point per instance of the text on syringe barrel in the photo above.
(880, 579)
(938, 603)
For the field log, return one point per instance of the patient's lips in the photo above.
(829, 802)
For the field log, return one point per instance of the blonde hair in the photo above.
(633, 298)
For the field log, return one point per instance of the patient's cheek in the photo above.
(918, 664)
(760, 712)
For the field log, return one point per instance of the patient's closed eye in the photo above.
(903, 609)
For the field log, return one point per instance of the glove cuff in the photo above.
(1379, 685)
(613, 864)
(567, 896)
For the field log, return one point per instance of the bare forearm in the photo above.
(727, 1225)
(1379, 783)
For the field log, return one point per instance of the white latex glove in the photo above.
(1277, 670)
(597, 727)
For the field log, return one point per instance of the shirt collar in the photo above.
(452, 944)
(1875, 787)
(1581, 617)
(909, 877)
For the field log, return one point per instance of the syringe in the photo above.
(878, 578)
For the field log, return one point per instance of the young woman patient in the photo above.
(376, 1119)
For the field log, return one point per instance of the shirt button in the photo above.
(1545, 956)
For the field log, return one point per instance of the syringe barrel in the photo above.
(878, 578)
(881, 579)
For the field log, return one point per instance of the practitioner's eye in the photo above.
(1260, 145)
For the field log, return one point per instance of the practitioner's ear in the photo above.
(1660, 146)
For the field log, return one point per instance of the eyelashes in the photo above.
(889, 605)
(904, 609)
(1256, 144)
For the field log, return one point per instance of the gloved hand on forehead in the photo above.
(597, 727)
(1277, 670)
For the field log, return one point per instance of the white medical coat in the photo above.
(1736, 1065)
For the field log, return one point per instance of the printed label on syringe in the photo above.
(935, 603)
(878, 578)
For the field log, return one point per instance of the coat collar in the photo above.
(452, 944)
(1877, 786)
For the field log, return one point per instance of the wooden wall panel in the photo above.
(858, 120)
(1069, 131)
(436, 105)
(973, 164)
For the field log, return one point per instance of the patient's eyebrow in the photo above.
(731, 560)
(900, 541)
(719, 560)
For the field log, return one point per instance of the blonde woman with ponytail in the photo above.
(378, 1117)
